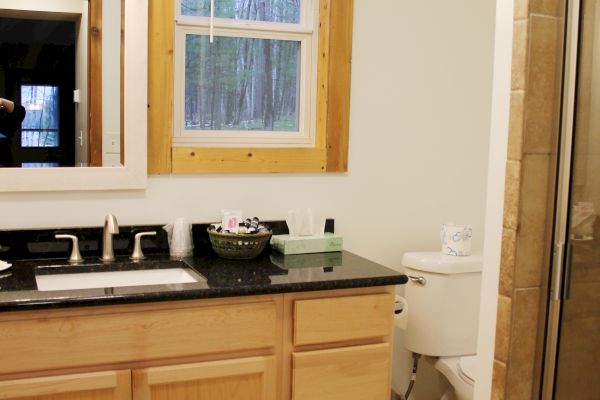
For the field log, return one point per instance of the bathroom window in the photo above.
(247, 75)
(40, 126)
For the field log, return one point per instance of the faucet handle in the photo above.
(75, 257)
(137, 248)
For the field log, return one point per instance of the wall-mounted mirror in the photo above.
(79, 68)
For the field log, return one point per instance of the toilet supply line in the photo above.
(413, 376)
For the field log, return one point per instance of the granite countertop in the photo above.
(269, 273)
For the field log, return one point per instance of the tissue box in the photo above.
(307, 244)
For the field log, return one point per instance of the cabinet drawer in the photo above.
(341, 319)
(350, 373)
(121, 337)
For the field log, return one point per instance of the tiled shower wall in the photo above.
(530, 171)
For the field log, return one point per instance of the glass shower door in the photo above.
(577, 338)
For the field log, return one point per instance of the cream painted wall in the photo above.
(419, 134)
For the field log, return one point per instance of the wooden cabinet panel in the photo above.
(351, 373)
(240, 379)
(85, 340)
(341, 319)
(109, 385)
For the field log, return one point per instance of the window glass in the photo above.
(40, 126)
(287, 11)
(239, 83)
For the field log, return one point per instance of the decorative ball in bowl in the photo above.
(238, 246)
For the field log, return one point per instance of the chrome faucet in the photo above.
(111, 227)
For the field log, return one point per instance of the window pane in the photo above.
(39, 138)
(40, 126)
(39, 164)
(241, 84)
(256, 10)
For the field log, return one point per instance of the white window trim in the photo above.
(303, 32)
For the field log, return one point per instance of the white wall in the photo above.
(420, 120)
(495, 196)
(111, 82)
(54, 6)
(81, 78)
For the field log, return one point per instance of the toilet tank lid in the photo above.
(437, 262)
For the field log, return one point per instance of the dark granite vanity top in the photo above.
(271, 272)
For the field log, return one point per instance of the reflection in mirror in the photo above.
(68, 82)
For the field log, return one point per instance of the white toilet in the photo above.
(442, 313)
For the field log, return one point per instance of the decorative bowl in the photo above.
(238, 246)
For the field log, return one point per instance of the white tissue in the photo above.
(180, 238)
(456, 239)
(303, 222)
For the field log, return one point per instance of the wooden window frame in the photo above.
(330, 153)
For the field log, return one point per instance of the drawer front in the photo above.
(341, 319)
(349, 373)
(77, 341)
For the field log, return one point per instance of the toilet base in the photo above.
(450, 368)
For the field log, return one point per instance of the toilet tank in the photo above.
(443, 310)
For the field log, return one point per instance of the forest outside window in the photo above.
(40, 127)
(246, 77)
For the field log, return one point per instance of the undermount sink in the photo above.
(72, 278)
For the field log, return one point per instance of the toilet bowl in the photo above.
(441, 314)
(460, 373)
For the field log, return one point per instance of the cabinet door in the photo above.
(109, 385)
(240, 379)
(349, 373)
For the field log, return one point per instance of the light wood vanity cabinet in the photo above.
(238, 379)
(106, 385)
(325, 345)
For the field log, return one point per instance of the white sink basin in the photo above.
(95, 280)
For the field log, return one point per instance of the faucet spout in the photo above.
(111, 227)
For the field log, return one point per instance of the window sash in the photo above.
(306, 25)
(305, 137)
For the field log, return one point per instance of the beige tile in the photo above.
(547, 7)
(507, 262)
(531, 235)
(515, 125)
(542, 100)
(511, 194)
(503, 324)
(519, 61)
(524, 336)
(521, 9)
(498, 381)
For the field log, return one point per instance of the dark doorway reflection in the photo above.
(37, 70)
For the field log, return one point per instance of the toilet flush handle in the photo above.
(419, 280)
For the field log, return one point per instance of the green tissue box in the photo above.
(307, 244)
